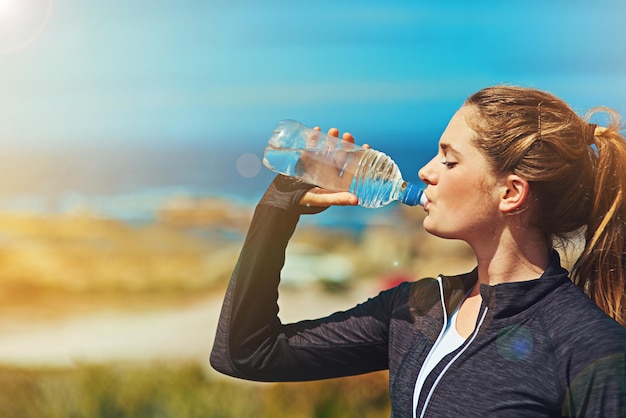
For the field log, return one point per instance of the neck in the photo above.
(511, 259)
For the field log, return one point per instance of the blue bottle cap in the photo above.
(413, 195)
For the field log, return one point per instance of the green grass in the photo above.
(182, 391)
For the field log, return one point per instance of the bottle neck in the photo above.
(412, 194)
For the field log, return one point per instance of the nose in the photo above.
(427, 173)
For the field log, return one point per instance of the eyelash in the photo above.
(449, 165)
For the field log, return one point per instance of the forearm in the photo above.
(249, 316)
(248, 327)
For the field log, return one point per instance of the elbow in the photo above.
(249, 367)
(231, 364)
(242, 358)
(222, 361)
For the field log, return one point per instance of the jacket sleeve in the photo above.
(597, 386)
(252, 343)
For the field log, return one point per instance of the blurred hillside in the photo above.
(192, 247)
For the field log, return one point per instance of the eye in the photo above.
(448, 164)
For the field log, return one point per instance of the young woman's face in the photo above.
(461, 189)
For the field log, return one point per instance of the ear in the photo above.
(515, 191)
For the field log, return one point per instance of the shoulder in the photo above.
(425, 293)
(409, 300)
(574, 322)
(589, 349)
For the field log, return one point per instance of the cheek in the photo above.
(464, 206)
(461, 196)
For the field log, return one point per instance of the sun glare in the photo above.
(21, 22)
(6, 6)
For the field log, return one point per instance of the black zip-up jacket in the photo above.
(541, 348)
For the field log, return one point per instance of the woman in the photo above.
(516, 169)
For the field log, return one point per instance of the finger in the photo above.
(347, 136)
(323, 198)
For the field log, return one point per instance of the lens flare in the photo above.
(248, 165)
(22, 22)
(515, 343)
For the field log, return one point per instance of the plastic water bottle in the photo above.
(336, 165)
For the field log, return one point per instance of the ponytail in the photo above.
(600, 269)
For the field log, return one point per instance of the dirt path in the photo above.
(173, 333)
(167, 333)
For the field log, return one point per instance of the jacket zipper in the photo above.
(443, 329)
(445, 369)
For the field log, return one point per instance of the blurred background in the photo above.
(131, 141)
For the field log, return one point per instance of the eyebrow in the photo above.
(447, 147)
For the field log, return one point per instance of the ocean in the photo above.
(130, 183)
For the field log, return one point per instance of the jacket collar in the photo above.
(507, 299)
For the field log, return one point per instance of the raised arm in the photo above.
(252, 343)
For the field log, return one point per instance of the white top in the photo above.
(447, 342)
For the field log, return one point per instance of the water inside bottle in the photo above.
(330, 169)
(282, 160)
(371, 175)
(378, 181)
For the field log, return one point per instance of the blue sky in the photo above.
(162, 72)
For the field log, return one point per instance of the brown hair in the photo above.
(577, 177)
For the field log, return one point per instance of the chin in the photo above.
(434, 231)
(438, 232)
(441, 235)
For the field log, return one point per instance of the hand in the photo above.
(323, 198)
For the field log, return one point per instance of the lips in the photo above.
(427, 204)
